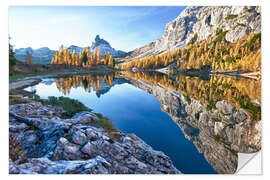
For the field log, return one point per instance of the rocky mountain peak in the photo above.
(204, 21)
(105, 46)
(97, 38)
(99, 41)
(44, 55)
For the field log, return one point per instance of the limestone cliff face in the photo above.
(218, 133)
(204, 21)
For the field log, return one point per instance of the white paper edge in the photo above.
(249, 164)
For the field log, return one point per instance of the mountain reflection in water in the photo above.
(220, 116)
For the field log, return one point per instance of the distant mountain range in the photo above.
(40, 56)
(44, 55)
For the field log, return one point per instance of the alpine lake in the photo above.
(201, 123)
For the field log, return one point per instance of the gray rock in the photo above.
(57, 146)
(96, 165)
(83, 118)
(79, 137)
(93, 134)
(18, 127)
(219, 126)
(240, 116)
(12, 168)
(36, 110)
(90, 149)
(135, 69)
(236, 33)
(133, 163)
(66, 151)
(225, 107)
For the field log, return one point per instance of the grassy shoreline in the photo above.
(69, 105)
(39, 75)
(21, 70)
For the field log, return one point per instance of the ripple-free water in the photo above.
(133, 110)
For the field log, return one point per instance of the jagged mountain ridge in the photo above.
(203, 21)
(105, 46)
(44, 55)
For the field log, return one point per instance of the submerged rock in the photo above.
(52, 145)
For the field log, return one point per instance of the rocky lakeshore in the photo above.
(20, 84)
(40, 142)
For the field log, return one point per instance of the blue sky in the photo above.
(125, 28)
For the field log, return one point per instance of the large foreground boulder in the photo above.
(43, 143)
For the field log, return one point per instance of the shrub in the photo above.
(220, 35)
(72, 106)
(231, 16)
(105, 123)
(193, 39)
(17, 100)
(239, 24)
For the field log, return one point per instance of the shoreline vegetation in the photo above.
(58, 72)
(199, 73)
(212, 56)
(215, 55)
(31, 77)
(24, 71)
(16, 87)
(70, 106)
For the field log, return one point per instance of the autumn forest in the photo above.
(216, 53)
(84, 59)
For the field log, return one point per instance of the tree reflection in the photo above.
(88, 82)
(241, 92)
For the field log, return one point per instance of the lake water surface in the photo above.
(132, 109)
